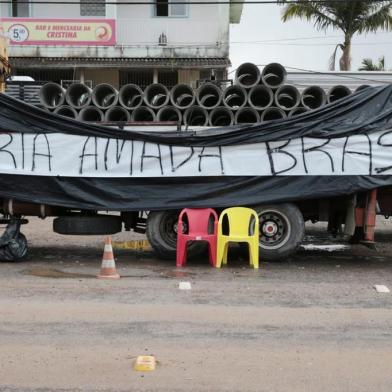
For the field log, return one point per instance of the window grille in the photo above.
(46, 75)
(140, 77)
(168, 78)
(20, 9)
(87, 8)
(173, 8)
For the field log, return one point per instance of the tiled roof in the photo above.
(123, 62)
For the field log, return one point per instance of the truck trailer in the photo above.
(330, 164)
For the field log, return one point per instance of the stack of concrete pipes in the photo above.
(254, 97)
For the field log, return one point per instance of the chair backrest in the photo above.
(198, 219)
(239, 220)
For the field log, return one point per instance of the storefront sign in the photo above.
(72, 32)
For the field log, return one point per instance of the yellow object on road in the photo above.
(243, 227)
(145, 363)
(135, 245)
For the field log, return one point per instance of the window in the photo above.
(87, 8)
(46, 74)
(172, 8)
(168, 78)
(20, 9)
(140, 77)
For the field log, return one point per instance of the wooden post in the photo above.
(370, 216)
(365, 218)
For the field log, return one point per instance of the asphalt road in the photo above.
(312, 323)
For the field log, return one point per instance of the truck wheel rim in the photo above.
(169, 229)
(275, 229)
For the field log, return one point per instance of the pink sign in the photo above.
(71, 32)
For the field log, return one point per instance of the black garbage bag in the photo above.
(13, 244)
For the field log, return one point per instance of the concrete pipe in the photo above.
(104, 96)
(196, 116)
(362, 87)
(130, 96)
(91, 114)
(287, 97)
(156, 96)
(169, 113)
(246, 115)
(247, 75)
(117, 113)
(272, 113)
(182, 96)
(313, 97)
(209, 96)
(338, 92)
(221, 117)
(51, 95)
(260, 97)
(296, 111)
(273, 75)
(234, 97)
(66, 111)
(78, 95)
(143, 114)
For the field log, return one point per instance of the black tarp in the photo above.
(367, 111)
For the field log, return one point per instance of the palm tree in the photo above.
(350, 16)
(368, 65)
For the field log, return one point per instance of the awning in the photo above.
(123, 62)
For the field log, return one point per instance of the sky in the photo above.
(300, 44)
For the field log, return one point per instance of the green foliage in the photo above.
(351, 17)
(368, 65)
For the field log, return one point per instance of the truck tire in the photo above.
(161, 233)
(87, 225)
(282, 230)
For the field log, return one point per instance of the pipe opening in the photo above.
(117, 113)
(51, 95)
(66, 111)
(273, 113)
(209, 96)
(169, 113)
(221, 117)
(247, 115)
(78, 95)
(247, 75)
(234, 97)
(274, 75)
(130, 96)
(156, 95)
(182, 96)
(287, 97)
(260, 97)
(104, 96)
(338, 92)
(91, 114)
(196, 116)
(313, 97)
(143, 114)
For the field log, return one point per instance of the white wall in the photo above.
(204, 32)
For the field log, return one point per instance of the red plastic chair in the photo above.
(198, 220)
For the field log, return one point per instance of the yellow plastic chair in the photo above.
(243, 227)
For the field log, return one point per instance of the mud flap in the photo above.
(13, 244)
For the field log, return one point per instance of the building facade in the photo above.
(162, 41)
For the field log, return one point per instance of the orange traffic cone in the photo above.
(108, 268)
